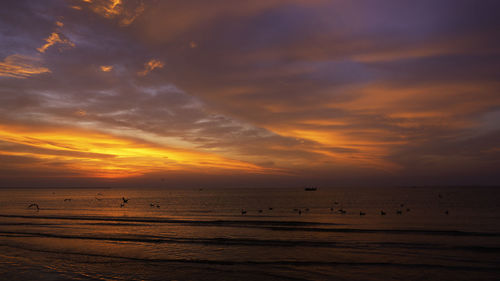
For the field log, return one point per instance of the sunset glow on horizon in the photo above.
(321, 92)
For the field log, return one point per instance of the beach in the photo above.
(285, 234)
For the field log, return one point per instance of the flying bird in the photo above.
(125, 200)
(34, 206)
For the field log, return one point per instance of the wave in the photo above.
(268, 263)
(272, 225)
(173, 221)
(389, 231)
(253, 242)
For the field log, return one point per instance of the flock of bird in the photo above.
(123, 203)
(340, 210)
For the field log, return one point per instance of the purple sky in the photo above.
(249, 93)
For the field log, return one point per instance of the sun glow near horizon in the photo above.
(95, 154)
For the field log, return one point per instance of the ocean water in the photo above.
(285, 234)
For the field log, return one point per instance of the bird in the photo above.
(260, 211)
(341, 211)
(382, 213)
(407, 209)
(401, 205)
(300, 212)
(35, 206)
(67, 200)
(270, 208)
(399, 212)
(98, 199)
(440, 196)
(243, 212)
(331, 209)
(362, 213)
(157, 205)
(125, 200)
(121, 205)
(447, 212)
(151, 204)
(307, 209)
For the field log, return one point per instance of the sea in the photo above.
(342, 233)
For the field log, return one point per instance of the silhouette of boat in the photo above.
(310, 188)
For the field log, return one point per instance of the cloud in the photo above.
(318, 90)
(106, 68)
(95, 154)
(19, 66)
(116, 9)
(150, 66)
(55, 38)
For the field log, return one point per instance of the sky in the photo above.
(249, 93)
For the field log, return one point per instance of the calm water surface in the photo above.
(286, 234)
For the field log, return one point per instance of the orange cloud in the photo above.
(19, 66)
(55, 38)
(94, 154)
(106, 68)
(128, 16)
(112, 9)
(150, 66)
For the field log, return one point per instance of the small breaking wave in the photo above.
(268, 263)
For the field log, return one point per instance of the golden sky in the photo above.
(249, 93)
